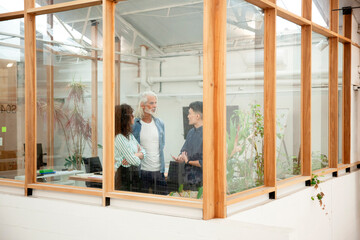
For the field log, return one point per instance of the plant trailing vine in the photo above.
(315, 181)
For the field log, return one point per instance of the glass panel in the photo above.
(341, 21)
(319, 101)
(244, 97)
(320, 13)
(340, 99)
(40, 3)
(69, 87)
(11, 6)
(293, 6)
(161, 86)
(288, 98)
(12, 111)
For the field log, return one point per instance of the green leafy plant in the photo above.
(188, 193)
(319, 194)
(244, 141)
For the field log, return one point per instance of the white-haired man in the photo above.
(149, 131)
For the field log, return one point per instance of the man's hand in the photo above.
(181, 158)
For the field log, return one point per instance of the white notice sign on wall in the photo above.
(1, 141)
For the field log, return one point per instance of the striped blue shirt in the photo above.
(126, 149)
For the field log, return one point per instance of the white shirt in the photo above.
(149, 139)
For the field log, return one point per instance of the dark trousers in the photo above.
(155, 181)
(127, 179)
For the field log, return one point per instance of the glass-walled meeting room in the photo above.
(159, 91)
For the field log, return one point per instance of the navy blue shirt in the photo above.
(194, 148)
(194, 144)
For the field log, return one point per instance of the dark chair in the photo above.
(175, 176)
(93, 165)
(39, 156)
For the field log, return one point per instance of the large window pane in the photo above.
(320, 13)
(12, 111)
(161, 51)
(319, 101)
(340, 100)
(69, 87)
(293, 6)
(244, 96)
(11, 6)
(288, 104)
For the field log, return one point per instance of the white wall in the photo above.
(291, 217)
(340, 219)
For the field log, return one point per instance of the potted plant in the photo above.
(69, 117)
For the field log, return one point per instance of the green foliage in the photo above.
(200, 193)
(315, 181)
(244, 141)
(187, 193)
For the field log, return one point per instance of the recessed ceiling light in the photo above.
(10, 65)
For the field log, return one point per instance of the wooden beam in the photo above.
(343, 39)
(61, 7)
(346, 114)
(323, 31)
(117, 70)
(30, 96)
(306, 10)
(94, 89)
(333, 102)
(306, 39)
(270, 98)
(214, 168)
(334, 16)
(108, 96)
(292, 17)
(11, 15)
(50, 95)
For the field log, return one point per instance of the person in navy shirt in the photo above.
(192, 151)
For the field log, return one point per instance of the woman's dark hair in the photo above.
(123, 115)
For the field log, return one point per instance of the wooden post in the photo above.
(109, 96)
(270, 98)
(30, 97)
(346, 114)
(94, 89)
(333, 86)
(306, 37)
(50, 95)
(117, 70)
(214, 166)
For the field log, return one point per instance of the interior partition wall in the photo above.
(268, 79)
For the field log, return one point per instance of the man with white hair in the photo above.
(149, 131)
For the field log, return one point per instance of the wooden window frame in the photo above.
(215, 201)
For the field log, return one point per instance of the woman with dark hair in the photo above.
(128, 152)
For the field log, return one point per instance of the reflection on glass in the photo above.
(161, 80)
(293, 6)
(320, 13)
(319, 101)
(340, 100)
(244, 97)
(12, 111)
(288, 100)
(11, 6)
(68, 120)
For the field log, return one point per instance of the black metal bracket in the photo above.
(107, 201)
(358, 166)
(346, 10)
(272, 195)
(348, 170)
(29, 192)
(335, 174)
(308, 183)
